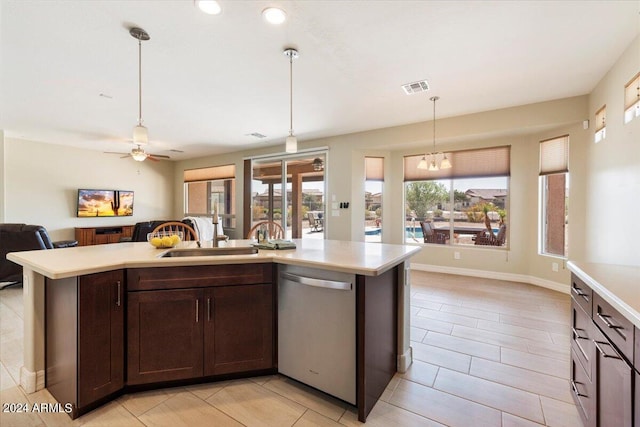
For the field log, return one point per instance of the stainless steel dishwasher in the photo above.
(317, 329)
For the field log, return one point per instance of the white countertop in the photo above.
(619, 285)
(368, 259)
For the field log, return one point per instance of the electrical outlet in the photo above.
(554, 266)
(456, 255)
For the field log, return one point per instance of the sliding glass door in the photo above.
(300, 208)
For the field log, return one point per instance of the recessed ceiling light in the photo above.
(211, 7)
(273, 15)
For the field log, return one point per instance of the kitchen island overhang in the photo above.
(366, 260)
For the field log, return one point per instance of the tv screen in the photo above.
(93, 203)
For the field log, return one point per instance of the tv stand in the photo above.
(101, 235)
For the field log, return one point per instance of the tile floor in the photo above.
(486, 353)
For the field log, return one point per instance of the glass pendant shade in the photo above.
(433, 166)
(423, 163)
(291, 144)
(140, 135)
(445, 164)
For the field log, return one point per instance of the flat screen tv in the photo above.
(95, 203)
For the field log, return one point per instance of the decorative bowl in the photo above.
(165, 239)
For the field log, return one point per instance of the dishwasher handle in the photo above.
(320, 283)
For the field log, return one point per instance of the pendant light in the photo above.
(291, 143)
(430, 161)
(140, 133)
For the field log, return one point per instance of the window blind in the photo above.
(210, 173)
(374, 168)
(632, 92)
(601, 118)
(485, 162)
(554, 155)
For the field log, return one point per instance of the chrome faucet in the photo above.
(215, 232)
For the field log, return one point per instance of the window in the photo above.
(601, 124)
(464, 205)
(632, 99)
(554, 190)
(203, 187)
(374, 181)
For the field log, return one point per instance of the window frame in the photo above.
(600, 131)
(629, 104)
(475, 169)
(554, 161)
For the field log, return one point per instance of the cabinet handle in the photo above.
(576, 335)
(118, 301)
(575, 389)
(208, 309)
(597, 343)
(604, 318)
(579, 292)
(197, 314)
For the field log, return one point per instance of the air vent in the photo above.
(416, 87)
(256, 135)
(173, 150)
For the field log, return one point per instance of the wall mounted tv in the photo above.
(100, 203)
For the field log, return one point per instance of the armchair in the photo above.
(23, 237)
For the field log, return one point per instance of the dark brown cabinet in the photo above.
(238, 331)
(190, 322)
(604, 346)
(164, 335)
(85, 338)
(582, 361)
(613, 381)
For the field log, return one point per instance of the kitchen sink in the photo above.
(209, 252)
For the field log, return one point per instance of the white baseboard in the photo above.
(31, 381)
(523, 278)
(405, 360)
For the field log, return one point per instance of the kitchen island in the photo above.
(382, 290)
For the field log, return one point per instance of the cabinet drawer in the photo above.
(201, 276)
(617, 328)
(582, 293)
(583, 392)
(582, 337)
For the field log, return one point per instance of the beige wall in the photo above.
(42, 181)
(612, 166)
(2, 178)
(521, 127)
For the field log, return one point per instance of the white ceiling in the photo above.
(208, 81)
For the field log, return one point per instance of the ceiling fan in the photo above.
(138, 154)
(140, 133)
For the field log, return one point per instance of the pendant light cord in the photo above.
(434, 125)
(291, 95)
(139, 82)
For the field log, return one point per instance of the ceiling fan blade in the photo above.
(159, 156)
(153, 159)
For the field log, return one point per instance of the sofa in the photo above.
(23, 237)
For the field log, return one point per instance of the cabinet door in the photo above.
(583, 391)
(164, 335)
(100, 336)
(613, 382)
(238, 328)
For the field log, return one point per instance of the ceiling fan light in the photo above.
(291, 144)
(140, 135)
(138, 154)
(210, 7)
